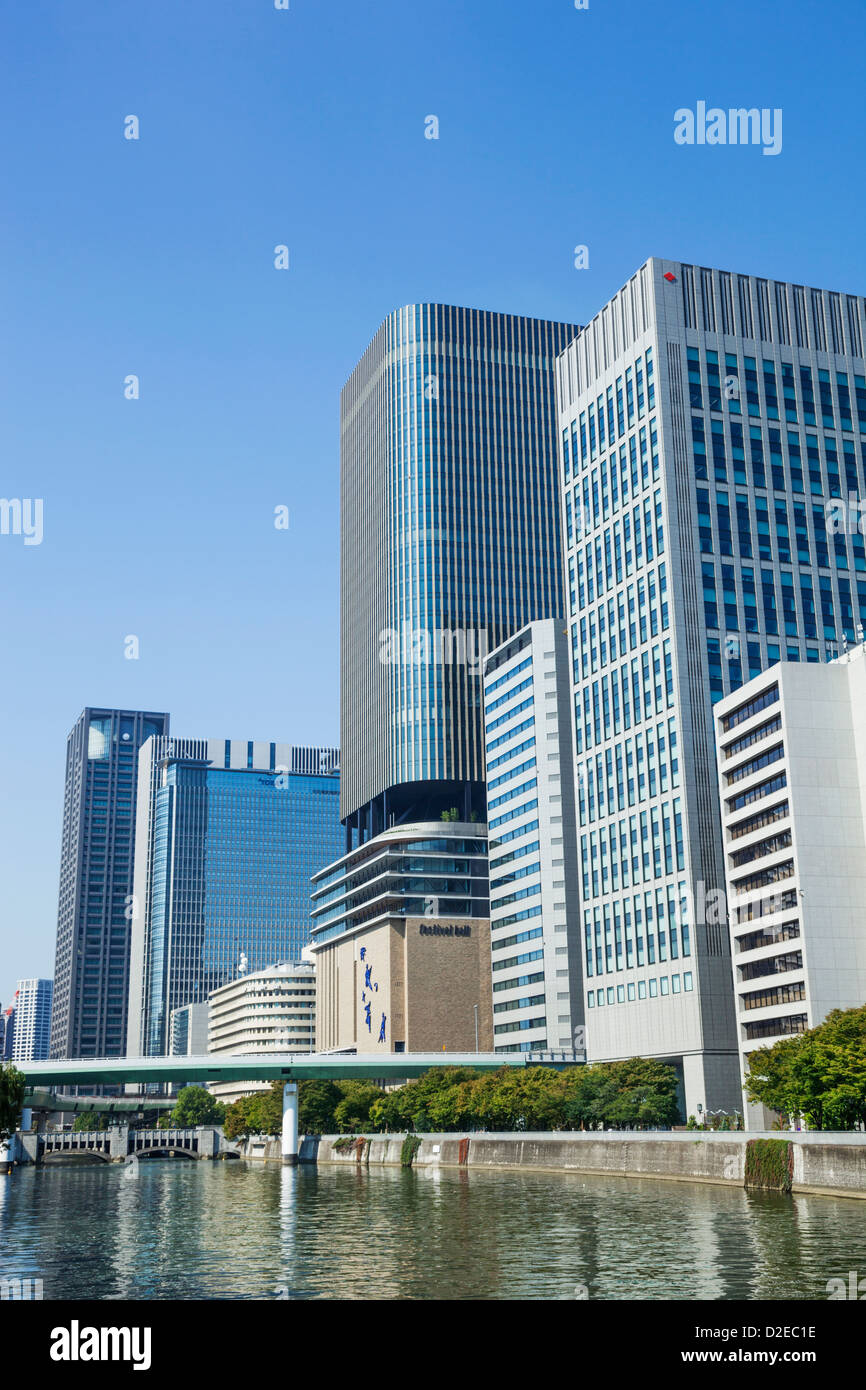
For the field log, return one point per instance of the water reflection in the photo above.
(184, 1229)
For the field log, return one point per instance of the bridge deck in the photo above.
(297, 1066)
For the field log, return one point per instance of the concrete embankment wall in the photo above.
(835, 1164)
(263, 1147)
(836, 1168)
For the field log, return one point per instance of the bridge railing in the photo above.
(162, 1139)
(554, 1057)
(75, 1140)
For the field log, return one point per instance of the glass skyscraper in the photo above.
(91, 973)
(230, 835)
(450, 541)
(711, 424)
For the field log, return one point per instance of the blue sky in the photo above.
(305, 127)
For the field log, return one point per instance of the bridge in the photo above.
(120, 1144)
(290, 1067)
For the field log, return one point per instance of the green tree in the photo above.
(317, 1101)
(531, 1098)
(11, 1100)
(645, 1094)
(352, 1113)
(820, 1074)
(441, 1099)
(195, 1106)
(634, 1094)
(90, 1122)
(237, 1118)
(264, 1110)
(589, 1096)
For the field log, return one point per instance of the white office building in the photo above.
(707, 421)
(32, 1021)
(792, 784)
(534, 912)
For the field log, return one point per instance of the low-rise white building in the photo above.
(792, 778)
(270, 1011)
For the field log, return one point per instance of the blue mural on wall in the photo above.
(373, 986)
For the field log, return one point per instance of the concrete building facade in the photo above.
(792, 788)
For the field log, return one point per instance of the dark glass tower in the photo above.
(450, 541)
(91, 974)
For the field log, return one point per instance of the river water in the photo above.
(176, 1228)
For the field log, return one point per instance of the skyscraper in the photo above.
(708, 420)
(32, 1032)
(450, 541)
(91, 974)
(229, 836)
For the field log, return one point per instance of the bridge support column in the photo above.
(290, 1122)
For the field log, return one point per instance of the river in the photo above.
(181, 1229)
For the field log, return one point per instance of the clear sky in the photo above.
(155, 257)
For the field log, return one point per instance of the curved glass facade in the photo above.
(450, 541)
(404, 877)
